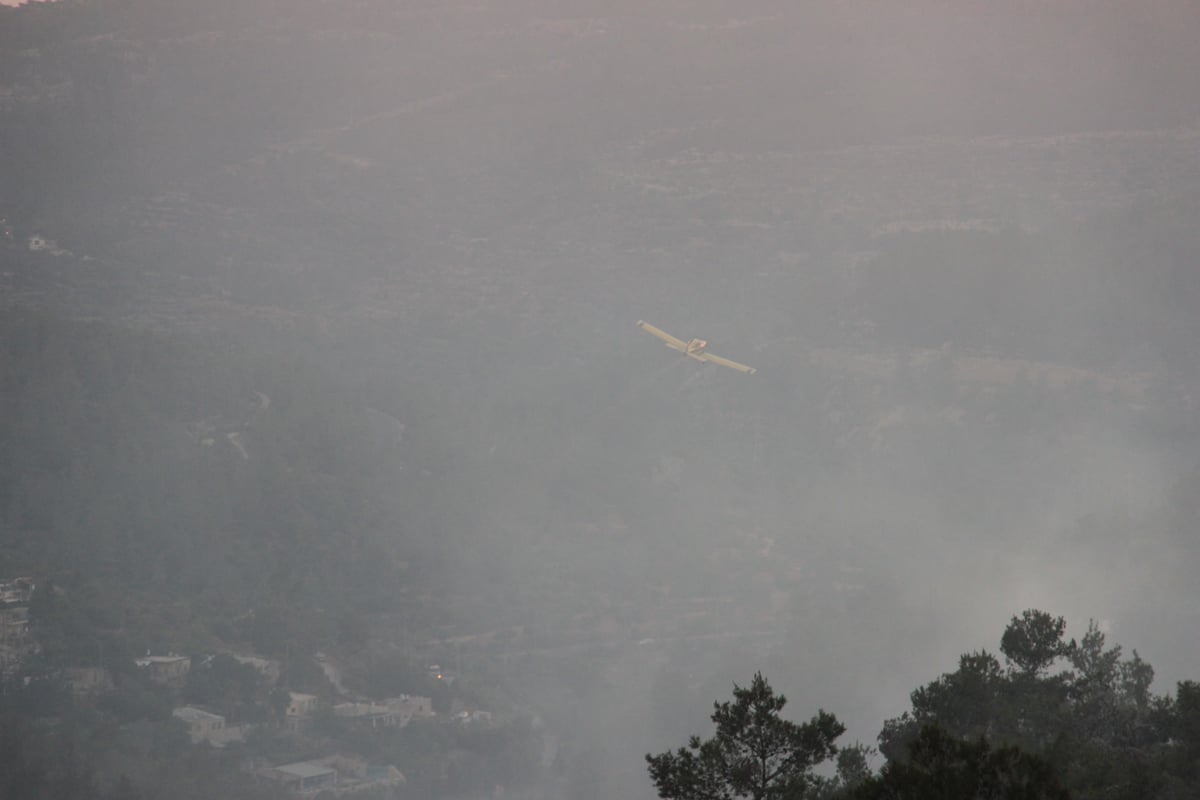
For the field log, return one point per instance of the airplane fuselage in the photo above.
(691, 349)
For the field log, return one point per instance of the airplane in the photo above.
(693, 349)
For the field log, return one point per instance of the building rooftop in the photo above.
(305, 769)
(190, 714)
(147, 660)
(16, 590)
(257, 662)
(358, 709)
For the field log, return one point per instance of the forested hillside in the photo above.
(179, 493)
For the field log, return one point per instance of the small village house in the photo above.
(202, 725)
(169, 670)
(305, 777)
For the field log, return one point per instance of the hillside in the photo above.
(240, 243)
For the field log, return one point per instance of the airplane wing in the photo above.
(725, 362)
(678, 344)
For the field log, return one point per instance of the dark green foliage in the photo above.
(939, 766)
(225, 686)
(853, 771)
(1182, 720)
(393, 674)
(853, 764)
(134, 700)
(26, 771)
(38, 697)
(755, 753)
(1097, 726)
(1034, 640)
(974, 701)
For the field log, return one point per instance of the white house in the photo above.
(304, 776)
(202, 725)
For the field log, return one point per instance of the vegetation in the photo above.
(166, 534)
(198, 496)
(938, 766)
(1092, 724)
(76, 755)
(755, 753)
(1089, 731)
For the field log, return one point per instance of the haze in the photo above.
(957, 241)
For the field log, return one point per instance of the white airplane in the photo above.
(695, 348)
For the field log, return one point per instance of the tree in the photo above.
(853, 771)
(1034, 640)
(973, 701)
(755, 753)
(1097, 724)
(943, 767)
